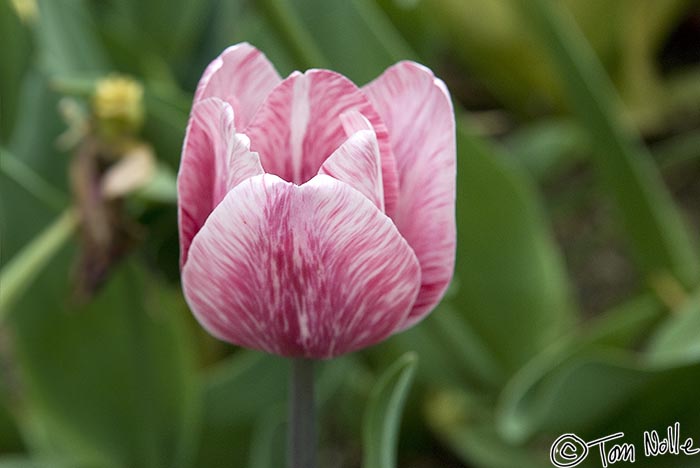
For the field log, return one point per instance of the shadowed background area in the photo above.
(575, 305)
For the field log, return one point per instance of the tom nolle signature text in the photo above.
(570, 450)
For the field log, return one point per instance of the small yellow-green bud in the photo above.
(26, 9)
(118, 104)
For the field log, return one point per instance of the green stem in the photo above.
(301, 431)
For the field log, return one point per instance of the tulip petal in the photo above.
(309, 271)
(299, 126)
(357, 163)
(214, 159)
(417, 110)
(241, 76)
(353, 122)
(242, 163)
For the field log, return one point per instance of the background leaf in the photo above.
(659, 239)
(137, 404)
(512, 287)
(382, 415)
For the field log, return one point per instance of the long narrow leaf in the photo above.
(18, 274)
(659, 240)
(24, 176)
(383, 413)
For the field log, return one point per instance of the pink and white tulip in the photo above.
(316, 218)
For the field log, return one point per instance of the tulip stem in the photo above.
(301, 431)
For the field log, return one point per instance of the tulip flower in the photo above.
(316, 218)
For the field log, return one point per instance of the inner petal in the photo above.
(299, 126)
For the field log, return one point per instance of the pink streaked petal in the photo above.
(199, 185)
(299, 126)
(357, 163)
(353, 122)
(313, 270)
(241, 76)
(417, 110)
(214, 159)
(243, 163)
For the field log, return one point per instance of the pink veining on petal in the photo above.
(357, 163)
(214, 160)
(417, 110)
(299, 126)
(353, 122)
(313, 270)
(241, 76)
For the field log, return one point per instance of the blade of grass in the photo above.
(20, 271)
(25, 177)
(659, 240)
(381, 27)
(302, 46)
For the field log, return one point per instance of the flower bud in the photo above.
(118, 105)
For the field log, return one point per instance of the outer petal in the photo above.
(300, 125)
(214, 159)
(357, 163)
(417, 110)
(313, 270)
(241, 76)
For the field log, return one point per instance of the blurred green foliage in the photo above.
(578, 158)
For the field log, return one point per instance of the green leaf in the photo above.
(547, 147)
(678, 338)
(658, 238)
(466, 425)
(19, 461)
(15, 60)
(26, 462)
(36, 129)
(597, 391)
(67, 38)
(162, 29)
(162, 187)
(494, 47)
(10, 440)
(30, 181)
(268, 438)
(380, 431)
(326, 34)
(625, 325)
(511, 285)
(167, 114)
(466, 348)
(301, 45)
(19, 273)
(523, 404)
(482, 446)
(423, 341)
(243, 21)
(236, 393)
(112, 380)
(678, 150)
